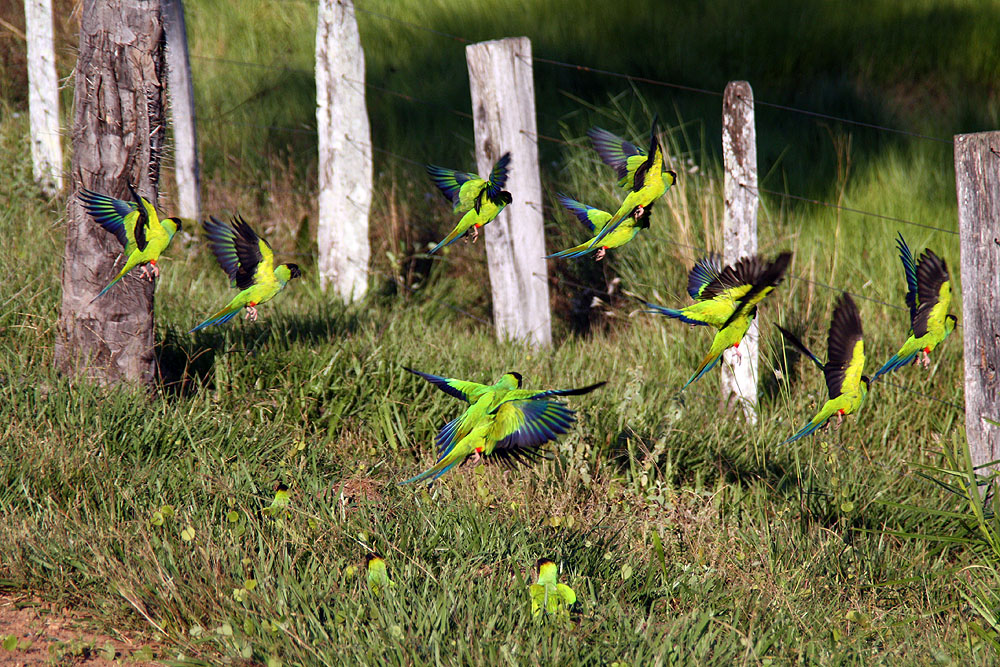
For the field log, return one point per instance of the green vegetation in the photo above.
(688, 539)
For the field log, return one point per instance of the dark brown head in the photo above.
(294, 270)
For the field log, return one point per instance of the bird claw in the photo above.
(251, 313)
(639, 210)
(475, 458)
(601, 252)
(925, 360)
(475, 233)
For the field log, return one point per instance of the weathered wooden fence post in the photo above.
(345, 152)
(181, 91)
(118, 130)
(977, 180)
(503, 110)
(739, 153)
(43, 97)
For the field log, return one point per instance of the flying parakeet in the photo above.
(642, 173)
(249, 262)
(503, 421)
(478, 200)
(928, 294)
(726, 298)
(137, 227)
(547, 593)
(847, 387)
(378, 576)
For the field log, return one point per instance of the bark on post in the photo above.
(43, 97)
(503, 109)
(977, 180)
(345, 153)
(182, 111)
(739, 153)
(118, 133)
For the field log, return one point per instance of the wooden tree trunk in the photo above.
(118, 133)
(345, 152)
(739, 154)
(977, 180)
(503, 110)
(182, 111)
(43, 97)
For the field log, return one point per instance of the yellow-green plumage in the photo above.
(547, 594)
(479, 200)
(846, 384)
(378, 575)
(136, 225)
(249, 262)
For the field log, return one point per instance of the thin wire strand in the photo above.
(890, 218)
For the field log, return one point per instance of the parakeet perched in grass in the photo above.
(137, 227)
(642, 173)
(249, 262)
(280, 501)
(547, 593)
(378, 576)
(847, 387)
(928, 294)
(726, 298)
(480, 201)
(502, 421)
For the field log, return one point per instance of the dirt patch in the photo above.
(33, 632)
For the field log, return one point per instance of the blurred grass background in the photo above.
(688, 538)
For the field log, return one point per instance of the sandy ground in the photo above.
(47, 635)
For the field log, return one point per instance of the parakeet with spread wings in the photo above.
(928, 295)
(846, 384)
(249, 262)
(726, 298)
(137, 227)
(478, 200)
(503, 422)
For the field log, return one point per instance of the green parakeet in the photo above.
(727, 299)
(480, 201)
(928, 294)
(249, 262)
(502, 421)
(642, 173)
(378, 576)
(845, 383)
(548, 594)
(280, 501)
(137, 227)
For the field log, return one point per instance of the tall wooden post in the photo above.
(43, 97)
(977, 180)
(181, 91)
(345, 152)
(503, 110)
(739, 154)
(118, 130)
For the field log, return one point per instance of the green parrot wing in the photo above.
(114, 215)
(520, 427)
(239, 251)
(704, 272)
(461, 389)
(147, 214)
(845, 349)
(451, 182)
(622, 156)
(933, 294)
(567, 594)
(498, 177)
(910, 273)
(763, 278)
(593, 218)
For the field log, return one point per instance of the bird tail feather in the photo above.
(894, 364)
(221, 317)
(808, 429)
(121, 274)
(448, 240)
(440, 468)
(576, 251)
(707, 364)
(672, 313)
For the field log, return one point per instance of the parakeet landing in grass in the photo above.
(928, 294)
(479, 201)
(548, 594)
(726, 298)
(845, 383)
(249, 262)
(378, 576)
(503, 422)
(642, 173)
(137, 227)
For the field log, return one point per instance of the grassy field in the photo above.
(689, 539)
